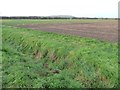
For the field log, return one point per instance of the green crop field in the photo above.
(39, 59)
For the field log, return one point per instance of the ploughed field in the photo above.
(99, 30)
(59, 53)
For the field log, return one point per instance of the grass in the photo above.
(40, 59)
(14, 22)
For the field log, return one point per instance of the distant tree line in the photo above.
(35, 17)
(48, 17)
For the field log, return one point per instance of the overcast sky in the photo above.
(80, 8)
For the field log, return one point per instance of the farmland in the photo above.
(44, 54)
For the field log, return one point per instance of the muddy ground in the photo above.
(99, 30)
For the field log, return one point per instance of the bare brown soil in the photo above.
(99, 30)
